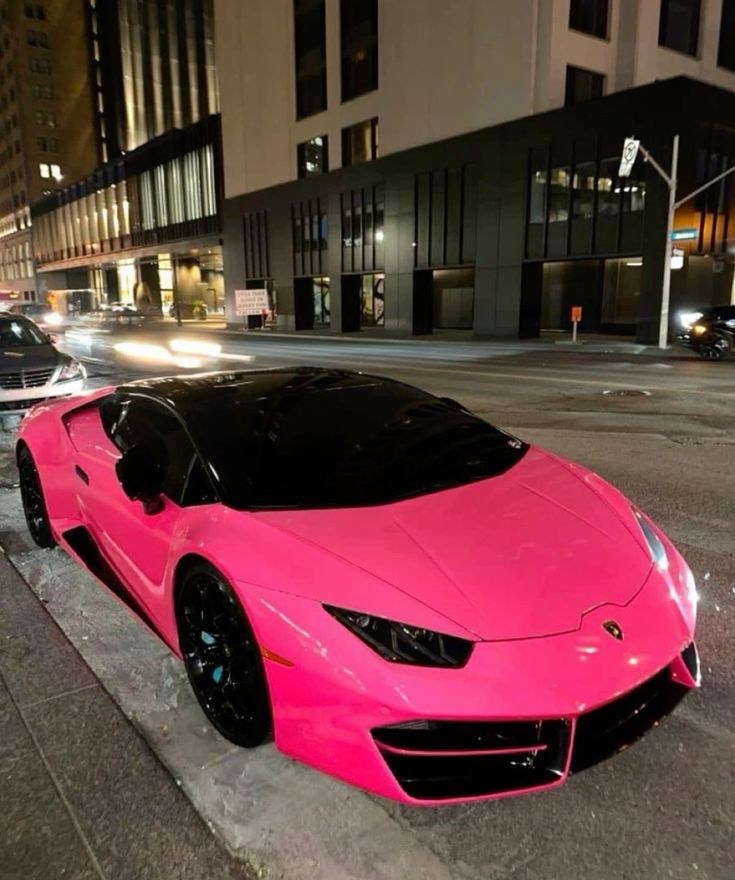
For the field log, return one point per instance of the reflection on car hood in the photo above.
(521, 555)
(28, 357)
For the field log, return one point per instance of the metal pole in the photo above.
(663, 329)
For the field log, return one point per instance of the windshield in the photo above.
(14, 333)
(305, 439)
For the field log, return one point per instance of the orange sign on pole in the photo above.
(576, 314)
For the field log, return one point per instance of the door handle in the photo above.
(81, 474)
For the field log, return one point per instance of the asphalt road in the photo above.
(665, 808)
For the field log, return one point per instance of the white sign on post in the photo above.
(251, 302)
(627, 160)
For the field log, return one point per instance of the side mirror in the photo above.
(140, 472)
(453, 403)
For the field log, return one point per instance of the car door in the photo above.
(136, 541)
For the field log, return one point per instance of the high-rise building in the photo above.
(46, 122)
(141, 225)
(419, 165)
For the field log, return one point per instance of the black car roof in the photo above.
(189, 392)
(312, 437)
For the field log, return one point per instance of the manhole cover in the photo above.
(626, 392)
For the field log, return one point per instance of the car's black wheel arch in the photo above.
(193, 563)
(44, 535)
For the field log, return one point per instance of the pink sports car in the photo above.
(403, 595)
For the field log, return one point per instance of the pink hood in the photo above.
(524, 554)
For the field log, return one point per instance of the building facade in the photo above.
(142, 225)
(419, 165)
(46, 122)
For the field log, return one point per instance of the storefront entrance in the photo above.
(311, 302)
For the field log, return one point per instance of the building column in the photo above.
(399, 253)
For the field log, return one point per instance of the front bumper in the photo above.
(519, 716)
(440, 761)
(18, 400)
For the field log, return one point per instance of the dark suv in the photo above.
(712, 334)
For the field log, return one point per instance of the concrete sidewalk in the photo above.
(587, 343)
(81, 794)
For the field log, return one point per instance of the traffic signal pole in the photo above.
(670, 180)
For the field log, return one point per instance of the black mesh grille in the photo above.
(609, 729)
(440, 760)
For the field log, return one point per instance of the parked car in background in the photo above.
(47, 319)
(31, 368)
(709, 332)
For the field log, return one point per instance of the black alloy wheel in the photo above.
(34, 504)
(715, 348)
(222, 657)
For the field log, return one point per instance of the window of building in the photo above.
(53, 145)
(583, 190)
(679, 25)
(310, 42)
(31, 38)
(56, 172)
(29, 12)
(583, 85)
(313, 156)
(44, 170)
(726, 53)
(360, 142)
(42, 144)
(559, 194)
(42, 39)
(359, 41)
(608, 187)
(40, 117)
(40, 12)
(589, 16)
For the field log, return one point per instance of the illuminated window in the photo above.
(313, 156)
(44, 170)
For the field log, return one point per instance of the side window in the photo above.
(135, 421)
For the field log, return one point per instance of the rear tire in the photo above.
(34, 503)
(222, 657)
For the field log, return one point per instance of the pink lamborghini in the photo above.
(401, 594)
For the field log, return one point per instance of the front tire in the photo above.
(34, 503)
(222, 657)
(715, 347)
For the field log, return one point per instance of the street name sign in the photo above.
(684, 234)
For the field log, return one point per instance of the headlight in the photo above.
(656, 548)
(686, 319)
(699, 329)
(53, 319)
(402, 643)
(72, 370)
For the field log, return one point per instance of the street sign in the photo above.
(251, 302)
(677, 258)
(684, 234)
(576, 313)
(627, 160)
